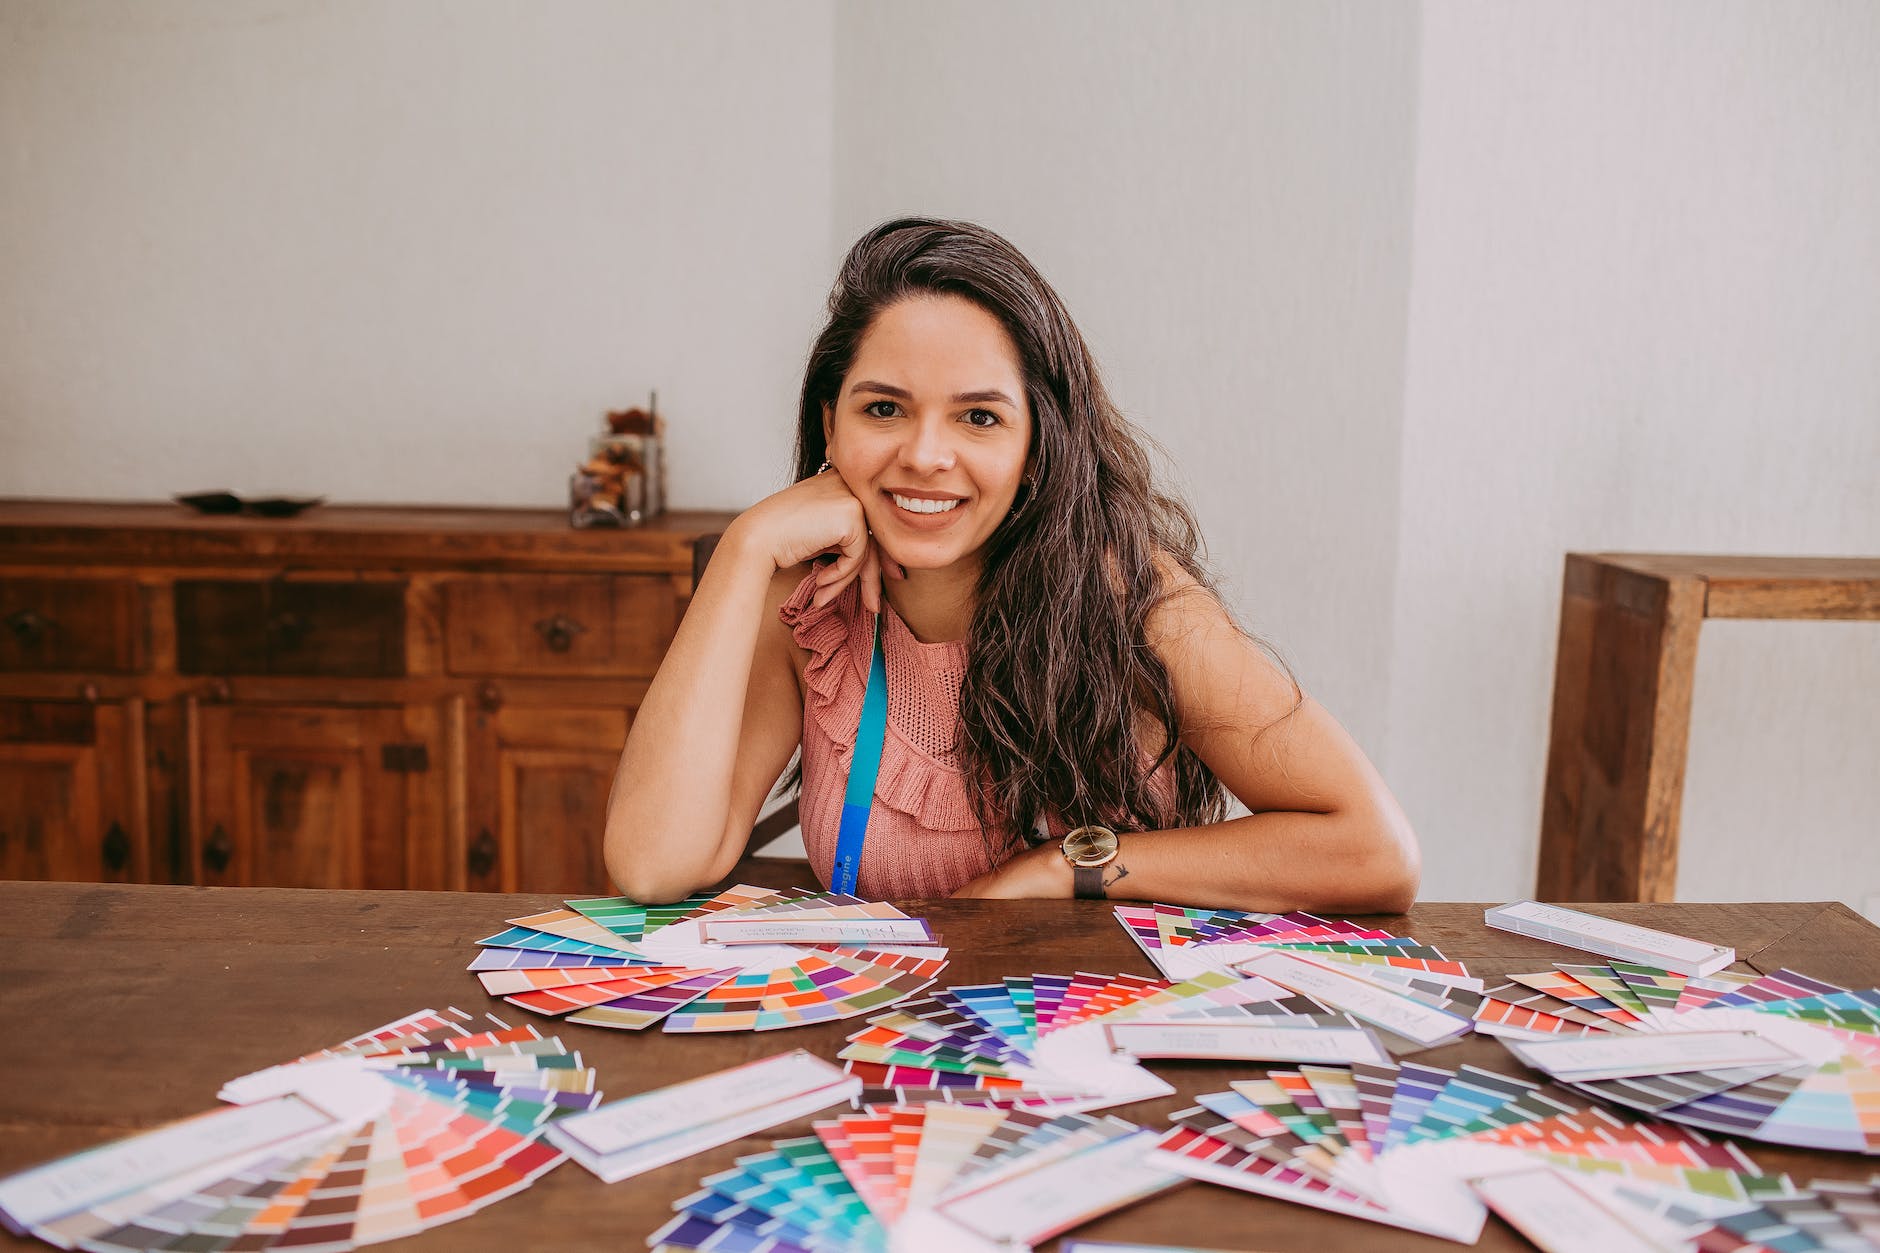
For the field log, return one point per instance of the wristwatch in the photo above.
(1089, 850)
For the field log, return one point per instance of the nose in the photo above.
(928, 448)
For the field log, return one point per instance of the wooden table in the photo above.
(1622, 701)
(130, 1005)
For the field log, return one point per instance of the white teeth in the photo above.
(923, 506)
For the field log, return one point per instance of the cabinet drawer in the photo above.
(599, 625)
(341, 630)
(69, 624)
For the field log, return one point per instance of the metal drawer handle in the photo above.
(217, 852)
(558, 632)
(28, 627)
(117, 849)
(483, 852)
(289, 628)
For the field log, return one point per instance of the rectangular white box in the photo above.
(1246, 1042)
(786, 930)
(1559, 925)
(638, 1133)
(1586, 1058)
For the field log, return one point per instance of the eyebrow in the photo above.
(990, 395)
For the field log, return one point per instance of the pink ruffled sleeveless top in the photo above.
(923, 839)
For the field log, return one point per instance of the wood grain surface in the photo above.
(130, 1006)
(1623, 674)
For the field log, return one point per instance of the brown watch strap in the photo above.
(1087, 883)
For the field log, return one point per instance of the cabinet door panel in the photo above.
(307, 822)
(538, 786)
(313, 796)
(71, 780)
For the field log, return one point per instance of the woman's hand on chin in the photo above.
(819, 518)
(1036, 872)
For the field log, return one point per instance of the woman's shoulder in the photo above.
(1183, 607)
(1219, 671)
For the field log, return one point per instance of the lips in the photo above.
(925, 511)
(920, 504)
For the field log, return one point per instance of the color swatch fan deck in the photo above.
(927, 1176)
(746, 959)
(1400, 1145)
(410, 1125)
(1052, 1041)
(1183, 941)
(1778, 1057)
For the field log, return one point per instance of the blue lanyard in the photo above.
(863, 767)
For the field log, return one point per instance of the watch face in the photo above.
(1090, 846)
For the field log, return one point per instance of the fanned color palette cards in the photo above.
(747, 959)
(946, 1178)
(413, 1124)
(1407, 1146)
(1073, 1041)
(1409, 991)
(1778, 1057)
(1563, 1212)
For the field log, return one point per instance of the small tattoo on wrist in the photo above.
(1122, 872)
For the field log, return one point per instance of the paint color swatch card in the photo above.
(863, 925)
(1023, 1207)
(1348, 1140)
(928, 1176)
(631, 1136)
(1035, 1041)
(1249, 1041)
(1400, 1145)
(397, 1130)
(1629, 1056)
(1184, 941)
(1560, 1213)
(745, 959)
(220, 1140)
(1559, 925)
(1394, 1010)
(1829, 1214)
(1111, 1246)
(1811, 1078)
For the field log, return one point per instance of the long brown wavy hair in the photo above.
(1061, 683)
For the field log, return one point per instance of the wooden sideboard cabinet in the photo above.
(357, 697)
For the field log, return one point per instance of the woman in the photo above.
(1053, 654)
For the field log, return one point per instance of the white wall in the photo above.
(1418, 297)
(1220, 193)
(404, 252)
(1645, 314)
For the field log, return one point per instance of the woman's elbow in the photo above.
(644, 883)
(1394, 866)
(639, 876)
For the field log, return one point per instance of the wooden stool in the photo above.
(1622, 701)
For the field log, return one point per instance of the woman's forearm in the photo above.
(1346, 862)
(667, 818)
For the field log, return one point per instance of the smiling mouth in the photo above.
(915, 505)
